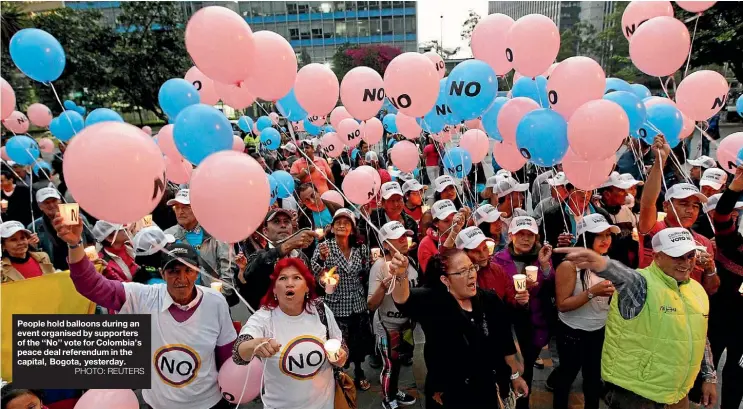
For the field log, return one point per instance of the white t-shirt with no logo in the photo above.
(184, 367)
(299, 375)
(387, 312)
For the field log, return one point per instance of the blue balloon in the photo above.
(245, 123)
(80, 110)
(616, 84)
(640, 91)
(201, 130)
(472, 86)
(632, 106)
(311, 128)
(263, 122)
(285, 183)
(490, 119)
(69, 105)
(274, 188)
(441, 109)
(153, 281)
(289, 107)
(431, 122)
(534, 89)
(542, 137)
(389, 123)
(37, 54)
(387, 106)
(22, 150)
(270, 139)
(175, 95)
(739, 105)
(328, 129)
(66, 125)
(740, 158)
(665, 118)
(102, 115)
(47, 168)
(457, 162)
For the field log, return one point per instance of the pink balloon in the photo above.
(203, 84)
(17, 122)
(489, 42)
(727, 151)
(476, 143)
(597, 129)
(316, 89)
(549, 71)
(407, 126)
(108, 398)
(222, 187)
(473, 123)
(688, 127)
(372, 131)
(654, 100)
(564, 96)
(510, 115)
(660, 46)
(237, 97)
(358, 187)
(237, 381)
(178, 170)
(695, 6)
(331, 145)
(115, 172)
(411, 84)
(405, 156)
(46, 145)
(702, 94)
(4, 154)
(7, 99)
(337, 115)
(274, 118)
(638, 12)
(237, 144)
(166, 143)
(587, 175)
(533, 42)
(146, 129)
(438, 62)
(362, 93)
(372, 173)
(221, 44)
(508, 156)
(333, 196)
(274, 77)
(349, 132)
(298, 126)
(39, 115)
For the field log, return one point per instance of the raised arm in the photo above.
(648, 208)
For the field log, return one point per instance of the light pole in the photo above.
(441, 35)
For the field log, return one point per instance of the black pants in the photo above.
(578, 350)
(356, 329)
(530, 353)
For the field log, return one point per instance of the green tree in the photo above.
(469, 26)
(580, 39)
(613, 49)
(376, 57)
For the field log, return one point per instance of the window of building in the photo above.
(410, 4)
(410, 24)
(375, 25)
(363, 27)
(363, 5)
(398, 4)
(386, 4)
(294, 33)
(316, 27)
(340, 29)
(397, 25)
(387, 25)
(350, 5)
(304, 31)
(278, 7)
(327, 29)
(352, 28)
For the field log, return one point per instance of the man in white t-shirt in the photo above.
(389, 323)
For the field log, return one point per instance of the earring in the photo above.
(275, 297)
(448, 289)
(306, 296)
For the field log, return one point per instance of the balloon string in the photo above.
(31, 196)
(16, 175)
(691, 45)
(446, 168)
(665, 186)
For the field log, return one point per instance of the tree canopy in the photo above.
(376, 57)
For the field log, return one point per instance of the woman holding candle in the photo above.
(343, 249)
(18, 262)
(583, 303)
(292, 326)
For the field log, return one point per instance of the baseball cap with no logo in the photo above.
(442, 209)
(675, 242)
(182, 197)
(683, 191)
(523, 223)
(714, 177)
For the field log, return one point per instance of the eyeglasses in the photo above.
(467, 272)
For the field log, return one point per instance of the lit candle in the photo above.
(320, 233)
(410, 241)
(375, 253)
(91, 253)
(332, 347)
(491, 246)
(3, 204)
(740, 290)
(425, 208)
(216, 286)
(330, 281)
(635, 234)
(661, 216)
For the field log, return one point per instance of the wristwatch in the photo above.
(590, 295)
(515, 376)
(80, 243)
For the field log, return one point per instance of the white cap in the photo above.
(683, 191)
(627, 177)
(615, 179)
(560, 179)
(595, 223)
(181, 197)
(442, 182)
(442, 209)
(469, 238)
(487, 214)
(150, 240)
(503, 172)
(12, 227)
(714, 199)
(411, 185)
(371, 156)
(343, 212)
(508, 185)
(47, 193)
(523, 223)
(392, 231)
(675, 242)
(103, 229)
(703, 161)
(290, 147)
(389, 189)
(714, 178)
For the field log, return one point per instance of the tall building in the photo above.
(564, 13)
(316, 28)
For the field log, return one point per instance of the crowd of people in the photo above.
(492, 269)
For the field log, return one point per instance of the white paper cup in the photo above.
(91, 253)
(661, 216)
(70, 213)
(531, 272)
(332, 348)
(3, 204)
(320, 233)
(376, 253)
(519, 281)
(410, 241)
(216, 286)
(491, 246)
(330, 284)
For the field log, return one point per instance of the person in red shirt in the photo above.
(443, 213)
(18, 262)
(318, 172)
(683, 202)
(431, 159)
(115, 251)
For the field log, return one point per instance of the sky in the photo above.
(455, 12)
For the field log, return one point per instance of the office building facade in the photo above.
(564, 13)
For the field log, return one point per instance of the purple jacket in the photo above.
(537, 308)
